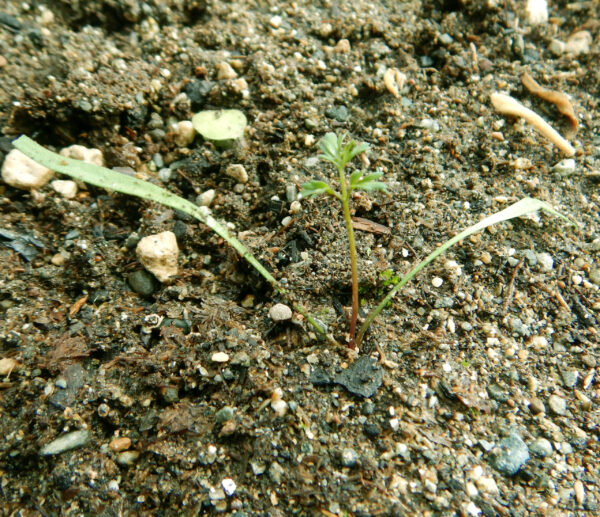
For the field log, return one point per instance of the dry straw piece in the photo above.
(559, 99)
(506, 105)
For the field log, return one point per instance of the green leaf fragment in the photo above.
(220, 124)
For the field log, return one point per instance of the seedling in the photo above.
(340, 155)
(333, 151)
(220, 126)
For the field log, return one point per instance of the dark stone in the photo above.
(363, 377)
(319, 377)
(197, 91)
(142, 282)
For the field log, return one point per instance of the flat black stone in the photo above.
(363, 377)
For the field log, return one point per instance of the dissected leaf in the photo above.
(316, 188)
(358, 181)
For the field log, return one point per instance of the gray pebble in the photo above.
(280, 312)
(536, 406)
(276, 472)
(513, 455)
(61, 382)
(141, 282)
(541, 448)
(224, 414)
(339, 113)
(67, 442)
(545, 261)
(171, 395)
(531, 257)
(349, 457)
(569, 377)
(558, 405)
(127, 458)
(497, 393)
(594, 276)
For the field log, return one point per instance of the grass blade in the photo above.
(520, 208)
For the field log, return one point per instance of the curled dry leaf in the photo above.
(559, 99)
(506, 105)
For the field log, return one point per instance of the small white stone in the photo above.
(557, 47)
(237, 172)
(577, 279)
(280, 312)
(158, 254)
(65, 188)
(206, 198)
(184, 133)
(565, 166)
(275, 21)
(225, 71)
(22, 172)
(79, 152)
(487, 484)
(394, 424)
(279, 406)
(545, 261)
(579, 43)
(437, 281)
(228, 486)
(537, 11)
(220, 357)
(295, 207)
(7, 365)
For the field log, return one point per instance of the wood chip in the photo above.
(559, 99)
(507, 105)
(366, 225)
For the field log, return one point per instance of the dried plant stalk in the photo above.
(559, 99)
(507, 105)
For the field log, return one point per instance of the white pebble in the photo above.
(220, 357)
(237, 172)
(557, 47)
(65, 188)
(275, 21)
(537, 11)
(545, 261)
(158, 254)
(279, 406)
(577, 279)
(228, 486)
(295, 207)
(7, 365)
(22, 172)
(79, 152)
(487, 485)
(206, 198)
(286, 221)
(225, 71)
(437, 281)
(184, 133)
(280, 312)
(565, 166)
(579, 43)
(66, 442)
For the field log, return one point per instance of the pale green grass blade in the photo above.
(520, 208)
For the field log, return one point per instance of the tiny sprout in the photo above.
(339, 154)
(220, 125)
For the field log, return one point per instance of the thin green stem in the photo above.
(345, 196)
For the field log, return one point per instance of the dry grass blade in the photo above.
(559, 99)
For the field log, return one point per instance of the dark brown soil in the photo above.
(506, 347)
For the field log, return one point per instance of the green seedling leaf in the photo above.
(351, 150)
(367, 182)
(112, 180)
(520, 208)
(316, 188)
(220, 124)
(330, 146)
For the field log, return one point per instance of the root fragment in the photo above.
(507, 105)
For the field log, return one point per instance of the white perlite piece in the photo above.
(280, 312)
(66, 188)
(79, 152)
(237, 172)
(66, 443)
(184, 133)
(22, 172)
(220, 357)
(228, 486)
(537, 11)
(158, 254)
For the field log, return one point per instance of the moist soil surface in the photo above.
(476, 390)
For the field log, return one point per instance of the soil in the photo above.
(481, 392)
